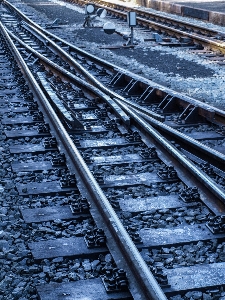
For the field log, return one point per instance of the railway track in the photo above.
(175, 110)
(172, 32)
(167, 190)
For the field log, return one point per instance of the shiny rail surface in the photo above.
(148, 288)
(134, 84)
(209, 112)
(166, 161)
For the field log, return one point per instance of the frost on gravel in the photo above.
(207, 89)
(70, 6)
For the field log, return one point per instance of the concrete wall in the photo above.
(174, 8)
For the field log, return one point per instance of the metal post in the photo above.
(132, 36)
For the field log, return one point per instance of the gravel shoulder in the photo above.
(175, 68)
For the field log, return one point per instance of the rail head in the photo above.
(217, 193)
(143, 285)
(218, 113)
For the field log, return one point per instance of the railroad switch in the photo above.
(190, 194)
(115, 280)
(216, 224)
(95, 238)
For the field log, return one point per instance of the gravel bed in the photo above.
(25, 141)
(166, 218)
(21, 127)
(207, 252)
(59, 229)
(44, 176)
(213, 143)
(217, 293)
(131, 168)
(172, 67)
(33, 201)
(32, 158)
(198, 128)
(117, 151)
(20, 274)
(142, 191)
(106, 135)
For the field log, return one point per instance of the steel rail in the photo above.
(157, 135)
(218, 114)
(214, 45)
(149, 14)
(93, 190)
(118, 97)
(208, 182)
(148, 288)
(214, 154)
(69, 59)
(118, 111)
(188, 165)
(201, 147)
(217, 156)
(197, 38)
